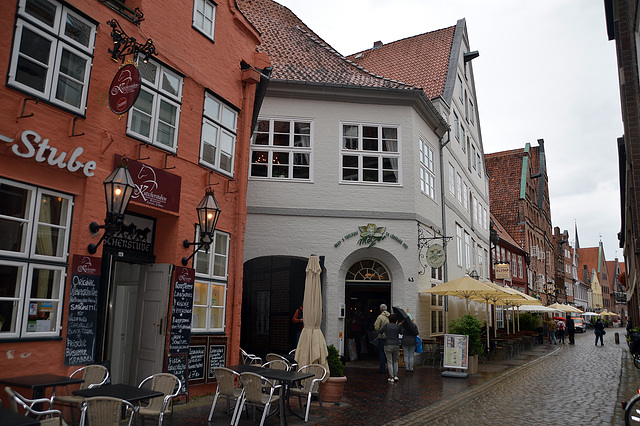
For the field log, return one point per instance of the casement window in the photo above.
(460, 90)
(456, 125)
(281, 149)
(467, 250)
(474, 161)
(35, 227)
(437, 305)
(472, 112)
(204, 17)
(463, 138)
(459, 245)
(465, 196)
(520, 266)
(475, 207)
(459, 187)
(155, 116)
(427, 170)
(474, 254)
(479, 164)
(210, 291)
(218, 142)
(52, 53)
(452, 180)
(370, 153)
(485, 221)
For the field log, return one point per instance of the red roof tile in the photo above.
(299, 54)
(421, 60)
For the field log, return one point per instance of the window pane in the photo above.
(216, 317)
(211, 108)
(77, 30)
(141, 114)
(229, 118)
(261, 139)
(73, 65)
(14, 203)
(42, 10)
(170, 83)
(50, 241)
(259, 163)
(70, 90)
(10, 279)
(148, 72)
(45, 284)
(202, 262)
(210, 134)
(32, 64)
(35, 46)
(200, 294)
(350, 137)
(166, 124)
(199, 317)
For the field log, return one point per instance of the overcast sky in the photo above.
(546, 71)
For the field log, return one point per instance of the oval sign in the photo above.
(124, 89)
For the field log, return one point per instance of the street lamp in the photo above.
(208, 213)
(118, 188)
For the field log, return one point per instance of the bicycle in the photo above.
(632, 407)
(633, 341)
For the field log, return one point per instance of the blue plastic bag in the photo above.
(418, 345)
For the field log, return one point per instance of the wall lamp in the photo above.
(124, 45)
(118, 188)
(208, 213)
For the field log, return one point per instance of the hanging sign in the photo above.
(503, 271)
(124, 89)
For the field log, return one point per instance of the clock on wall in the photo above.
(436, 256)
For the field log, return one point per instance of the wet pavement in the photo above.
(549, 383)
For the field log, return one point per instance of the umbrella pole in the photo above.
(518, 319)
(487, 330)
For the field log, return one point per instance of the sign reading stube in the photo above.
(124, 89)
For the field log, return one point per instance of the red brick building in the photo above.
(188, 130)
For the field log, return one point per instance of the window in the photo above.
(463, 138)
(452, 181)
(52, 53)
(427, 170)
(219, 126)
(459, 244)
(471, 112)
(34, 224)
(514, 265)
(485, 221)
(480, 263)
(437, 311)
(460, 89)
(467, 250)
(459, 187)
(473, 157)
(465, 196)
(370, 153)
(474, 206)
(209, 298)
(479, 164)
(473, 254)
(155, 116)
(456, 126)
(281, 149)
(204, 14)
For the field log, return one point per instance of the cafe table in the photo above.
(11, 418)
(287, 378)
(38, 383)
(132, 394)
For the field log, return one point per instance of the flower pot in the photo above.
(332, 389)
(473, 365)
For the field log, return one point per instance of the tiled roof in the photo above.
(421, 60)
(502, 232)
(588, 256)
(299, 54)
(505, 170)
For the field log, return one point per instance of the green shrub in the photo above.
(472, 327)
(529, 322)
(336, 367)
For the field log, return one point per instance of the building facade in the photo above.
(80, 95)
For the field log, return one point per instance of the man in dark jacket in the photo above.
(599, 331)
(571, 330)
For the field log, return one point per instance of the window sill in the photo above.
(29, 339)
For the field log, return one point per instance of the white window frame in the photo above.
(471, 112)
(467, 250)
(59, 42)
(223, 120)
(460, 90)
(465, 196)
(452, 180)
(206, 276)
(293, 149)
(204, 11)
(474, 206)
(456, 126)
(459, 245)
(427, 169)
(159, 95)
(361, 154)
(463, 138)
(459, 187)
(473, 157)
(26, 259)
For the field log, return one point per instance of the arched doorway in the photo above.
(367, 285)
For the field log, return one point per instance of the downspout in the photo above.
(445, 275)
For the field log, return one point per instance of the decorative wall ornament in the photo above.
(431, 252)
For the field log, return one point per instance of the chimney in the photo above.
(377, 44)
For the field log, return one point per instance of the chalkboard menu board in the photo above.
(180, 334)
(197, 358)
(177, 365)
(216, 358)
(83, 310)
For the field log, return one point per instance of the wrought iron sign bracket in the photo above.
(24, 104)
(424, 243)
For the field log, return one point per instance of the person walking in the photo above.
(409, 333)
(552, 326)
(382, 319)
(561, 329)
(599, 331)
(571, 331)
(392, 330)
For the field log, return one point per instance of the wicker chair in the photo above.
(258, 392)
(250, 359)
(227, 389)
(45, 417)
(106, 411)
(310, 387)
(93, 376)
(166, 383)
(277, 364)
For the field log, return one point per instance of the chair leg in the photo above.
(237, 417)
(306, 416)
(320, 402)
(264, 413)
(213, 405)
(237, 410)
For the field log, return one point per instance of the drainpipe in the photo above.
(445, 275)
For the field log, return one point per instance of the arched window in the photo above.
(368, 270)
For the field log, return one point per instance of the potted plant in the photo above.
(333, 387)
(470, 326)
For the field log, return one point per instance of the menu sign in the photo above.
(197, 356)
(216, 359)
(456, 351)
(180, 326)
(83, 310)
(177, 365)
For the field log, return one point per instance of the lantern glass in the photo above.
(208, 214)
(118, 189)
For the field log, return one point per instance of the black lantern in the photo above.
(208, 212)
(118, 188)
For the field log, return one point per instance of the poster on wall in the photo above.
(83, 310)
(456, 351)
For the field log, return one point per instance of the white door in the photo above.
(151, 321)
(123, 331)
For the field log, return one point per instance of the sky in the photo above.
(546, 70)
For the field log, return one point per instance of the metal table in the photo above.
(132, 394)
(11, 418)
(287, 378)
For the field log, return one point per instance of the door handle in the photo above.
(159, 325)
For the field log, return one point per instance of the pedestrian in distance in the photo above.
(552, 326)
(382, 319)
(392, 330)
(298, 320)
(571, 331)
(409, 334)
(599, 331)
(561, 330)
